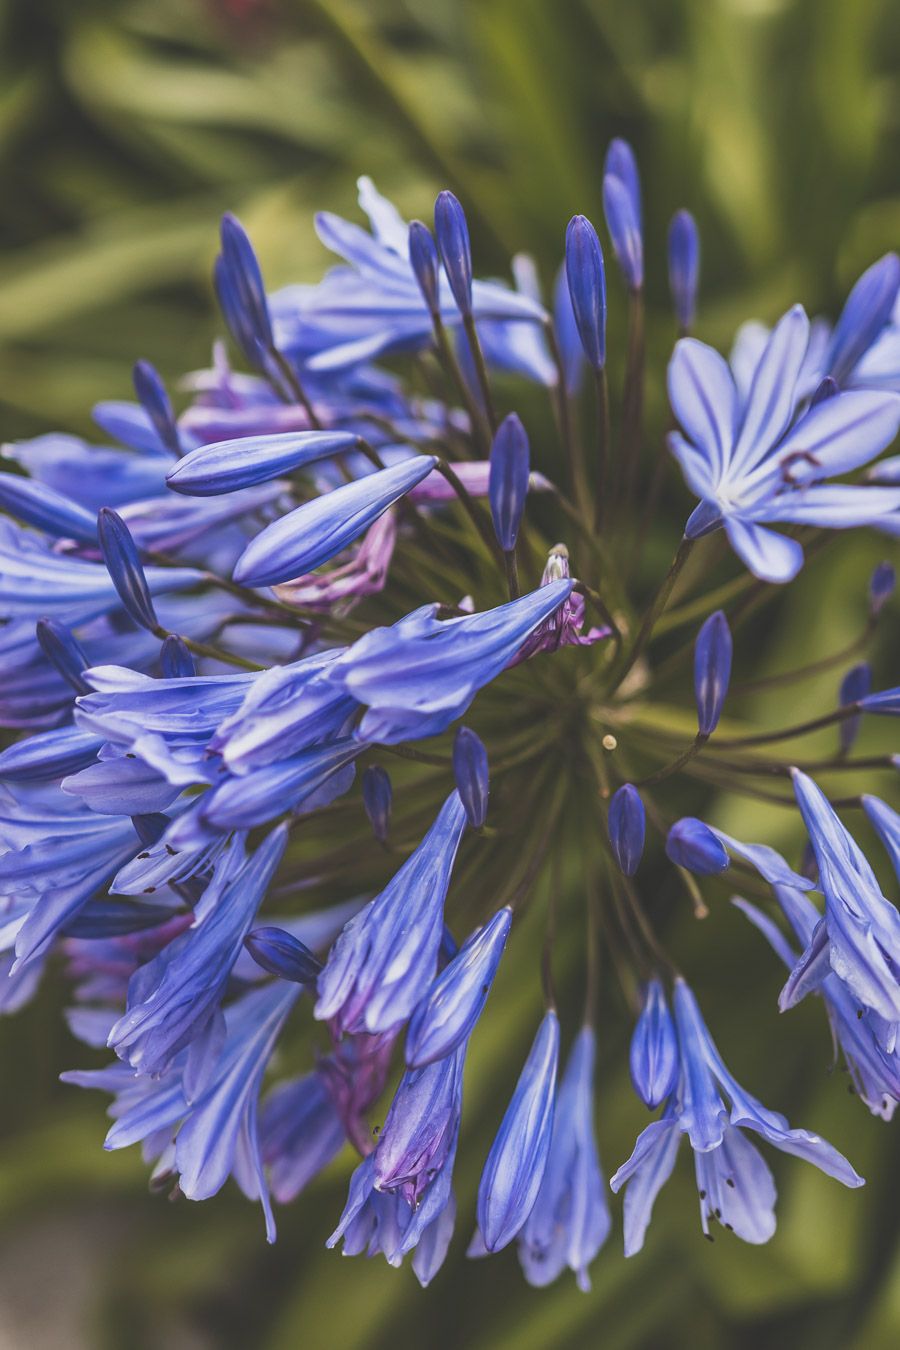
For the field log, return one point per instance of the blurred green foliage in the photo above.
(126, 126)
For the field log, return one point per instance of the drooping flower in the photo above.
(653, 1055)
(735, 1185)
(515, 1166)
(570, 1220)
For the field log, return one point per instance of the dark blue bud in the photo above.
(455, 250)
(653, 1056)
(241, 462)
(154, 400)
(62, 651)
(693, 845)
(240, 277)
(625, 231)
(277, 952)
(423, 259)
(453, 1004)
(175, 659)
(114, 918)
(620, 163)
(867, 311)
(567, 334)
(826, 389)
(470, 765)
(45, 509)
(881, 587)
(586, 276)
(508, 481)
(48, 754)
(121, 557)
(627, 827)
(856, 684)
(377, 796)
(712, 670)
(684, 267)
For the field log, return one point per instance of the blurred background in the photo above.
(126, 127)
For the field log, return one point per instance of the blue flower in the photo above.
(570, 1220)
(874, 1070)
(420, 1132)
(172, 999)
(704, 849)
(319, 529)
(653, 1055)
(515, 1166)
(46, 509)
(447, 1014)
(733, 1181)
(753, 462)
(386, 956)
(230, 465)
(859, 937)
(420, 675)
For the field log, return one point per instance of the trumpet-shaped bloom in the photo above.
(517, 1161)
(386, 956)
(570, 1220)
(733, 1181)
(653, 1055)
(754, 462)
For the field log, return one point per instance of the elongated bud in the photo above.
(377, 796)
(856, 684)
(627, 826)
(229, 466)
(653, 1056)
(567, 334)
(453, 1004)
(508, 481)
(865, 314)
(684, 267)
(455, 250)
(586, 276)
(622, 208)
(423, 259)
(277, 952)
(175, 659)
(470, 765)
(712, 670)
(45, 509)
(154, 400)
(881, 587)
(62, 650)
(121, 557)
(241, 292)
(693, 845)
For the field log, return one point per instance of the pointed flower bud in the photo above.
(154, 400)
(508, 482)
(121, 557)
(228, 466)
(377, 796)
(586, 277)
(693, 845)
(176, 660)
(319, 529)
(684, 267)
(856, 684)
(277, 952)
(455, 250)
(515, 1166)
(622, 208)
(470, 766)
(712, 670)
(865, 314)
(423, 259)
(453, 1004)
(653, 1057)
(881, 587)
(62, 650)
(627, 826)
(45, 509)
(241, 291)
